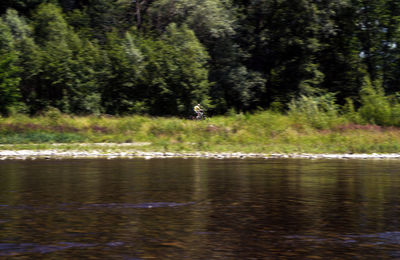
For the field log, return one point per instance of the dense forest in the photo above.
(161, 57)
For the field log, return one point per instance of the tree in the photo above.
(175, 72)
(9, 80)
(215, 25)
(69, 72)
(340, 57)
(69, 5)
(29, 56)
(187, 74)
(23, 6)
(282, 39)
(122, 93)
(209, 19)
(106, 16)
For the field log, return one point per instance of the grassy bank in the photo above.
(263, 132)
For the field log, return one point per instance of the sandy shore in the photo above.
(62, 154)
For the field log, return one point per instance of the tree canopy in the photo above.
(160, 57)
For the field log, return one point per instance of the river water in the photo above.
(200, 209)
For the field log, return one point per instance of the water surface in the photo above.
(200, 209)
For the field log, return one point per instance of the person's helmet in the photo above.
(198, 104)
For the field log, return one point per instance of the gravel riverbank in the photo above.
(62, 154)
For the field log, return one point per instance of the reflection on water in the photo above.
(199, 209)
(24, 248)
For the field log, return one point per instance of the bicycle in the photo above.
(200, 116)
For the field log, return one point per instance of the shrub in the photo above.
(350, 113)
(375, 106)
(319, 111)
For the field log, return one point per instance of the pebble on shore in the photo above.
(57, 154)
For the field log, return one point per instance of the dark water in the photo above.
(199, 209)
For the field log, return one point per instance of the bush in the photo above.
(319, 111)
(350, 113)
(41, 137)
(395, 116)
(53, 115)
(375, 106)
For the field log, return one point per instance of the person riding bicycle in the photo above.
(199, 111)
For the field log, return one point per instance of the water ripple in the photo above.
(72, 206)
(390, 237)
(15, 248)
(133, 206)
(7, 249)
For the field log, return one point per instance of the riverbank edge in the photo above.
(131, 154)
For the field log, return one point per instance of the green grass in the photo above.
(262, 132)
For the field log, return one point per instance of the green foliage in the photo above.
(70, 70)
(283, 42)
(209, 19)
(122, 90)
(350, 113)
(214, 24)
(320, 111)
(375, 107)
(40, 137)
(246, 88)
(395, 109)
(53, 114)
(9, 80)
(29, 57)
(175, 72)
(21, 5)
(161, 57)
(106, 16)
(186, 71)
(263, 132)
(6, 42)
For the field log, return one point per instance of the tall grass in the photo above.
(377, 107)
(313, 124)
(319, 112)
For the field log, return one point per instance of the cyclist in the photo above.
(199, 111)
